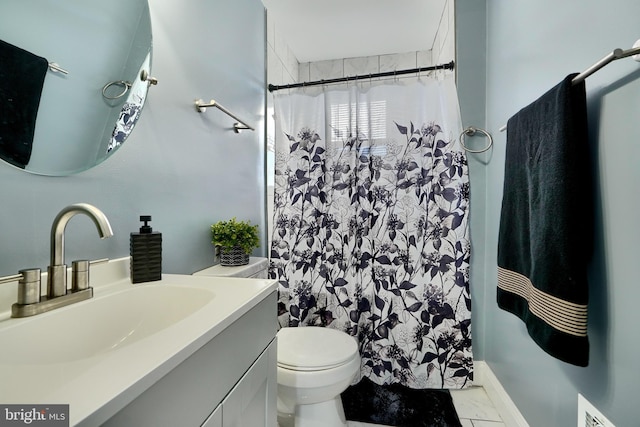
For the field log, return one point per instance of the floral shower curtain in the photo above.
(370, 226)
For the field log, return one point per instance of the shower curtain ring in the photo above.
(471, 131)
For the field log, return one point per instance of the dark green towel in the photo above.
(21, 79)
(545, 235)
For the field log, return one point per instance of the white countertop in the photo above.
(256, 265)
(100, 385)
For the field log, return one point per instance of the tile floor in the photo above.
(474, 408)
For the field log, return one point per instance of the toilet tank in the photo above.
(256, 269)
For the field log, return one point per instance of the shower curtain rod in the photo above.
(447, 66)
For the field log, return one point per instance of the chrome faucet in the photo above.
(29, 300)
(57, 277)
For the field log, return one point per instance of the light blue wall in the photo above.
(471, 77)
(185, 169)
(531, 46)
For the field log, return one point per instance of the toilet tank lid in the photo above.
(314, 347)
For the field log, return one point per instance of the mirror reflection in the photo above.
(84, 116)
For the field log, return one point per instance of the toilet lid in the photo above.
(314, 348)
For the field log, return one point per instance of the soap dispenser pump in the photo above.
(146, 253)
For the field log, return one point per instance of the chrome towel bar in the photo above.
(201, 107)
(56, 68)
(612, 56)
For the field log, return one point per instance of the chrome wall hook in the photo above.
(145, 77)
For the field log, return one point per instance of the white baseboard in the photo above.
(484, 376)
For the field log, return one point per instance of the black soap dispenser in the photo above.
(146, 253)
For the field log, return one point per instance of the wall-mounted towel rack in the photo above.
(471, 131)
(201, 107)
(56, 68)
(614, 55)
(122, 83)
(109, 90)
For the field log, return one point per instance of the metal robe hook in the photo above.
(145, 77)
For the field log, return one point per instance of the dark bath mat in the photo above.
(397, 405)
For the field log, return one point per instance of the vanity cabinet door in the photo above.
(215, 419)
(252, 402)
(187, 394)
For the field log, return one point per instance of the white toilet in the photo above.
(315, 364)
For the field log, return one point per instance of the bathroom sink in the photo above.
(99, 325)
(99, 354)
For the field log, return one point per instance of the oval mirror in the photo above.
(85, 114)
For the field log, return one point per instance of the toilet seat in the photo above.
(313, 348)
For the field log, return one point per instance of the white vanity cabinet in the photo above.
(228, 382)
(252, 402)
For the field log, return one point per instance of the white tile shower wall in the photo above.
(330, 69)
(398, 61)
(443, 49)
(282, 68)
(282, 65)
(345, 67)
(361, 65)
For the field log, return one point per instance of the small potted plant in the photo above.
(234, 241)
